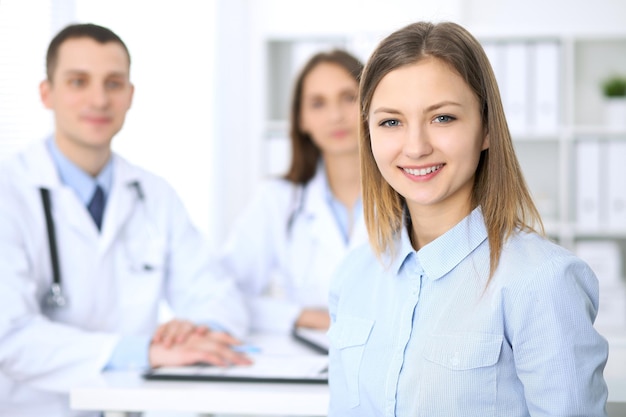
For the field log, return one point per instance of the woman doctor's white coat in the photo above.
(284, 249)
(147, 251)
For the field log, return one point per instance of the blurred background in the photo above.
(213, 79)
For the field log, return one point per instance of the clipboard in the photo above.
(314, 339)
(309, 369)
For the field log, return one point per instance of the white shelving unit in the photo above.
(590, 60)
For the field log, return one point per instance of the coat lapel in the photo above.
(66, 207)
(121, 202)
(324, 225)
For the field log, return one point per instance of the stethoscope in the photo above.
(297, 206)
(55, 298)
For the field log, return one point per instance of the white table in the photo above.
(127, 391)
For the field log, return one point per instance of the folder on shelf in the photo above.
(265, 368)
(545, 105)
(516, 86)
(588, 184)
(616, 187)
(494, 51)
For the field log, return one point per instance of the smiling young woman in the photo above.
(460, 305)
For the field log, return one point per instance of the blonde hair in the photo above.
(499, 186)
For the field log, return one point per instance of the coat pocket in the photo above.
(144, 256)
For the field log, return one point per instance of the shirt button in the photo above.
(454, 360)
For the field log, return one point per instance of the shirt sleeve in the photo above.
(559, 356)
(130, 353)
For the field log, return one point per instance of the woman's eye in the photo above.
(390, 123)
(443, 119)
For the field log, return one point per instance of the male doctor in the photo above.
(123, 243)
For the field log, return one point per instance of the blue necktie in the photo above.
(96, 206)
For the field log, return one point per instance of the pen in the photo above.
(246, 349)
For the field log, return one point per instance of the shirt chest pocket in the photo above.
(463, 367)
(348, 337)
(463, 352)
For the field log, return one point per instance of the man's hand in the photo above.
(215, 348)
(177, 331)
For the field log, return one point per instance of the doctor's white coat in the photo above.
(282, 269)
(148, 250)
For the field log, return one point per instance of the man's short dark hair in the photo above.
(99, 34)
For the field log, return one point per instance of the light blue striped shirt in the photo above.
(83, 184)
(425, 337)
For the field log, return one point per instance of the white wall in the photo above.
(348, 16)
(546, 16)
(237, 159)
(170, 127)
(22, 116)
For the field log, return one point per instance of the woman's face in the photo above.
(329, 109)
(427, 135)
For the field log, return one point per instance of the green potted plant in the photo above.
(614, 86)
(614, 92)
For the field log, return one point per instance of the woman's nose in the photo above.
(417, 142)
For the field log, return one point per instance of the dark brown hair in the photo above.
(99, 34)
(304, 153)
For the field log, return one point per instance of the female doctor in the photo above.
(60, 330)
(284, 249)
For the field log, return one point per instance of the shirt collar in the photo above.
(444, 253)
(78, 180)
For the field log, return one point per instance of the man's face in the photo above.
(90, 93)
